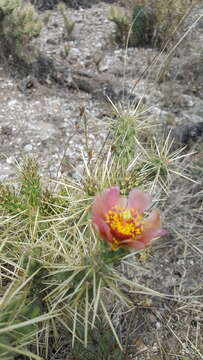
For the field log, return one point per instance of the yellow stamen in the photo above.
(126, 214)
(126, 222)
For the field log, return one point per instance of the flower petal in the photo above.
(152, 227)
(122, 202)
(105, 201)
(134, 244)
(138, 200)
(103, 230)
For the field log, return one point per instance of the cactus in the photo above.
(68, 23)
(142, 26)
(19, 22)
(122, 22)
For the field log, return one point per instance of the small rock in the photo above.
(186, 100)
(6, 130)
(189, 133)
(74, 53)
(55, 24)
(28, 147)
(10, 160)
(105, 63)
(52, 41)
(26, 85)
(166, 118)
(158, 325)
(12, 103)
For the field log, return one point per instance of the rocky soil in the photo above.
(42, 116)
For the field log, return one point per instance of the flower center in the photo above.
(124, 223)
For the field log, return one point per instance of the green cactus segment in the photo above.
(142, 26)
(19, 22)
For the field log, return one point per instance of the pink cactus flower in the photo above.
(120, 221)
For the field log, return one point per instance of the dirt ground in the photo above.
(43, 119)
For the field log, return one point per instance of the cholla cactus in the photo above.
(65, 270)
(151, 22)
(143, 21)
(19, 24)
(159, 20)
(20, 307)
(57, 272)
(8, 6)
(68, 23)
(118, 16)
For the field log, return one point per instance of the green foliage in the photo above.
(8, 6)
(31, 189)
(135, 28)
(68, 23)
(101, 345)
(16, 309)
(121, 20)
(123, 131)
(56, 275)
(127, 125)
(140, 157)
(19, 23)
(30, 199)
(149, 23)
(142, 27)
(53, 268)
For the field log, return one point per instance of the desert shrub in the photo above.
(75, 4)
(134, 28)
(142, 26)
(169, 14)
(122, 24)
(151, 22)
(68, 23)
(44, 4)
(18, 24)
